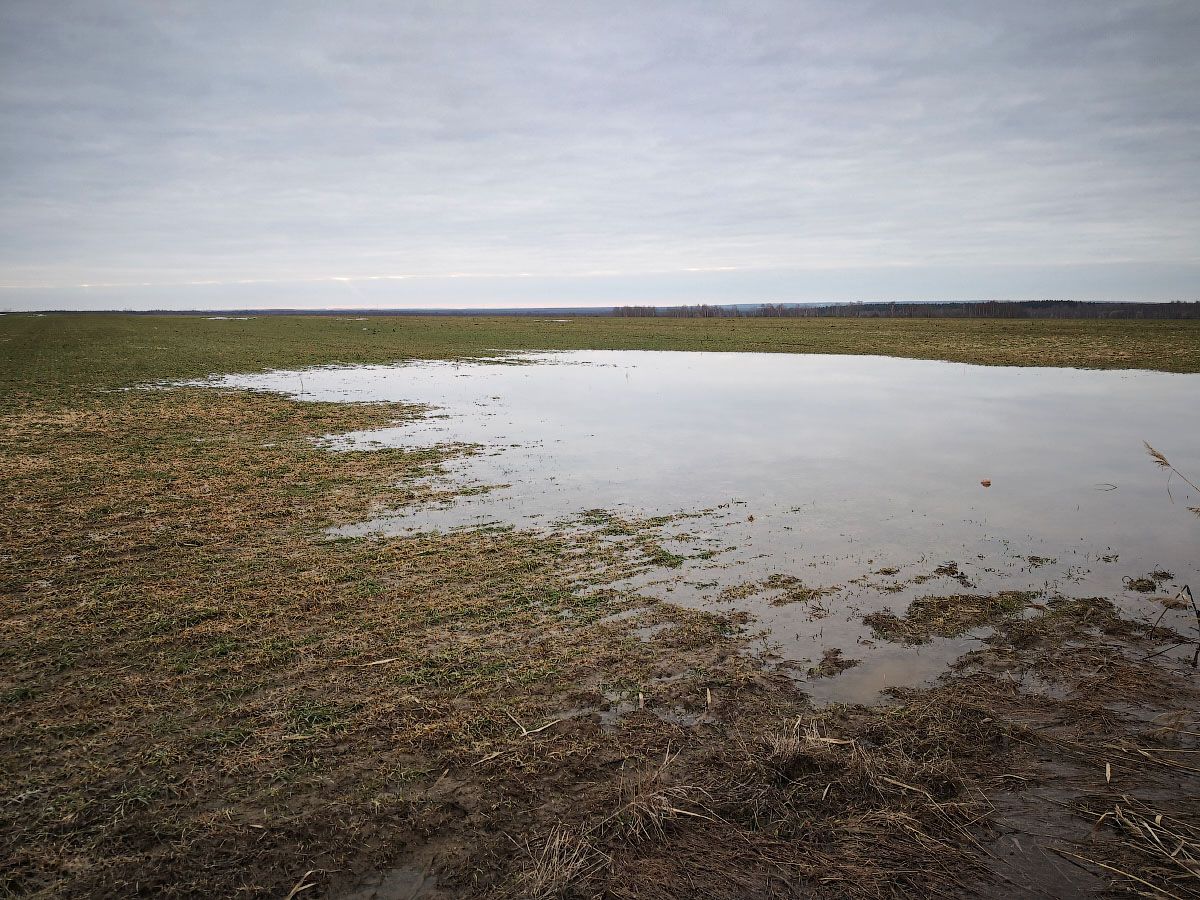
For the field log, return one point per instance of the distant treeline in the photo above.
(351, 312)
(703, 311)
(991, 309)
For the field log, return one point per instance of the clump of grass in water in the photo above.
(1141, 585)
(795, 590)
(660, 556)
(929, 617)
(832, 663)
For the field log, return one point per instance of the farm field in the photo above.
(81, 350)
(234, 664)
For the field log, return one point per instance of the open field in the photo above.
(83, 350)
(204, 695)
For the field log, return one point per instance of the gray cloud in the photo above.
(860, 149)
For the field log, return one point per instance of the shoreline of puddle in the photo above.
(535, 480)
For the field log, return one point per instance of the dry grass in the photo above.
(173, 611)
(563, 859)
(948, 616)
(205, 696)
(1163, 463)
(1168, 848)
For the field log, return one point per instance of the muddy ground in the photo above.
(204, 695)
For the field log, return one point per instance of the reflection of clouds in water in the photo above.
(846, 463)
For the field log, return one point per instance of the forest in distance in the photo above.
(988, 309)
(984, 309)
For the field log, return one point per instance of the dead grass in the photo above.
(949, 616)
(205, 696)
(1167, 848)
(562, 859)
(782, 588)
(173, 610)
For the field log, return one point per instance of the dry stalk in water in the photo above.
(1170, 846)
(1163, 463)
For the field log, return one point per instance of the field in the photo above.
(203, 695)
(80, 351)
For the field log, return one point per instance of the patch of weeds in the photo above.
(476, 490)
(780, 580)
(69, 730)
(368, 587)
(929, 617)
(279, 650)
(795, 590)
(658, 555)
(217, 649)
(802, 593)
(951, 570)
(408, 774)
(832, 663)
(618, 529)
(127, 799)
(1141, 585)
(595, 517)
(313, 715)
(178, 621)
(536, 674)
(1066, 618)
(741, 591)
(495, 528)
(227, 737)
(19, 694)
(162, 756)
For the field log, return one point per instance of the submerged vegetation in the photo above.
(205, 695)
(930, 617)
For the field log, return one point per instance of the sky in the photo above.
(406, 154)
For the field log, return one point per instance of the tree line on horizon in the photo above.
(988, 309)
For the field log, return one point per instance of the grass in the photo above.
(949, 616)
(203, 695)
(62, 353)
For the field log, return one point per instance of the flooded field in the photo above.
(809, 493)
(581, 622)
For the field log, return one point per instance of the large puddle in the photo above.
(864, 476)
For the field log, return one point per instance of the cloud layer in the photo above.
(596, 152)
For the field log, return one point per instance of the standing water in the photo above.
(872, 481)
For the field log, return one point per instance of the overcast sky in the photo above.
(191, 154)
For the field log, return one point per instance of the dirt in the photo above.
(205, 696)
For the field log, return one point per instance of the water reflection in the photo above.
(833, 469)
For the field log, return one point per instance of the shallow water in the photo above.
(828, 468)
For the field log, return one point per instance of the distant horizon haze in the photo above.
(1104, 283)
(469, 154)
